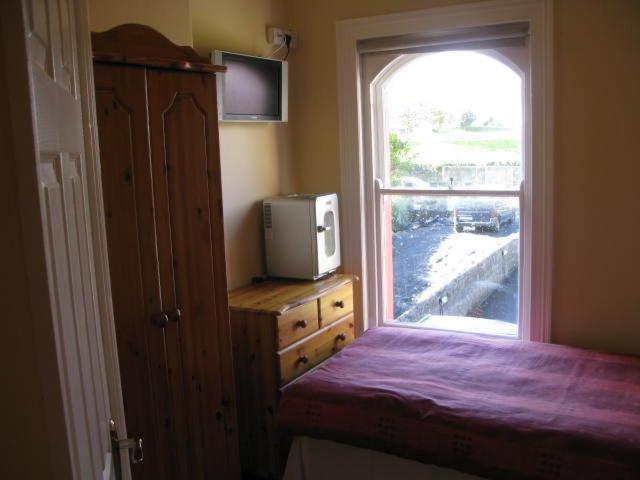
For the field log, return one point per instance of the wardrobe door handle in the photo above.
(339, 303)
(174, 315)
(160, 320)
(302, 323)
(303, 360)
(341, 337)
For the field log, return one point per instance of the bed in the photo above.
(491, 408)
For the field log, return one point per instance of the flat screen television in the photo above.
(253, 89)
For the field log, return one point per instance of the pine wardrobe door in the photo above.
(186, 168)
(127, 191)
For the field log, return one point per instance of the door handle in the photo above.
(136, 452)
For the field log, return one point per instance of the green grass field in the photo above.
(496, 145)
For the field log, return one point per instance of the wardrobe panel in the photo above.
(129, 209)
(184, 152)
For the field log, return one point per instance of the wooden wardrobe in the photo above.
(159, 154)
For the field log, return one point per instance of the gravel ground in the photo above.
(428, 256)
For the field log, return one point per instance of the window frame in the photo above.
(358, 186)
(378, 71)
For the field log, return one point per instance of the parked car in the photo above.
(422, 209)
(483, 213)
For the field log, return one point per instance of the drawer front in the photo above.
(336, 304)
(309, 353)
(297, 323)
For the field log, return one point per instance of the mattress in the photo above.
(489, 407)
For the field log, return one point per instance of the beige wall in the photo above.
(596, 294)
(170, 17)
(255, 157)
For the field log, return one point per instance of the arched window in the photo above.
(448, 152)
(456, 160)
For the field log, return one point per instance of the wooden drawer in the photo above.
(267, 346)
(336, 304)
(297, 324)
(308, 353)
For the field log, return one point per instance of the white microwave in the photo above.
(302, 235)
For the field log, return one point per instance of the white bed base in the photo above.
(312, 459)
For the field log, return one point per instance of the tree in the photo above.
(402, 157)
(413, 116)
(466, 119)
(438, 119)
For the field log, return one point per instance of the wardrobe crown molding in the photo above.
(135, 44)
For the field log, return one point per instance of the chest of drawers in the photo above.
(280, 330)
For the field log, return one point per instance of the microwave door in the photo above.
(328, 241)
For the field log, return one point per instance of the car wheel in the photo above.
(459, 228)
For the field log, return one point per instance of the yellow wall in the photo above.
(255, 157)
(314, 95)
(170, 17)
(597, 204)
(596, 295)
(596, 301)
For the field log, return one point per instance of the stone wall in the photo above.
(471, 287)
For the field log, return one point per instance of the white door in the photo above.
(51, 49)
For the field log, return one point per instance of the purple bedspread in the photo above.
(491, 407)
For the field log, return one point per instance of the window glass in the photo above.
(453, 262)
(453, 120)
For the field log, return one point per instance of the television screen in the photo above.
(252, 89)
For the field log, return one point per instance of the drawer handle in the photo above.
(341, 337)
(339, 304)
(302, 323)
(303, 359)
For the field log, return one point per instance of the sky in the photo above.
(458, 81)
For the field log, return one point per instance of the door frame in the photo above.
(358, 256)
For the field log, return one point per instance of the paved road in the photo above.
(502, 304)
(413, 272)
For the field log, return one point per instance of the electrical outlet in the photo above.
(275, 36)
